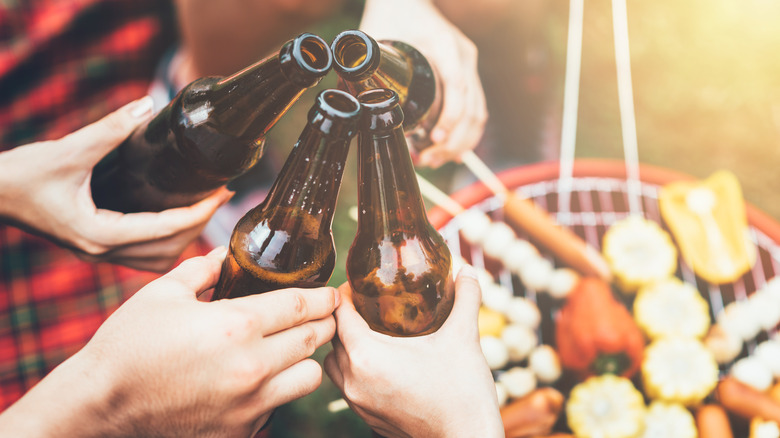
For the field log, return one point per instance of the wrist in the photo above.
(75, 399)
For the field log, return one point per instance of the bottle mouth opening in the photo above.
(353, 52)
(378, 98)
(339, 103)
(313, 53)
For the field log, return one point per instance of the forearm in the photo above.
(74, 400)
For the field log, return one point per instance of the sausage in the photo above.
(533, 415)
(713, 422)
(567, 246)
(745, 401)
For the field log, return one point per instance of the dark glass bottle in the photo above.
(364, 64)
(399, 267)
(212, 132)
(286, 241)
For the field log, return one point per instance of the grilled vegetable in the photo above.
(639, 252)
(605, 407)
(709, 223)
(596, 334)
(746, 401)
(724, 346)
(713, 422)
(533, 415)
(678, 370)
(671, 308)
(668, 420)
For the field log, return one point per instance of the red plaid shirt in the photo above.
(65, 64)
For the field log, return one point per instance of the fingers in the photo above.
(333, 371)
(297, 343)
(198, 273)
(122, 229)
(99, 138)
(468, 297)
(292, 383)
(464, 112)
(350, 325)
(281, 309)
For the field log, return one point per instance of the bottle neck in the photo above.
(247, 104)
(389, 198)
(388, 68)
(310, 179)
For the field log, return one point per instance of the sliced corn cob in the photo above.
(671, 308)
(665, 420)
(678, 370)
(606, 406)
(639, 252)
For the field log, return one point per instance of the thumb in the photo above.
(350, 325)
(468, 296)
(198, 274)
(99, 138)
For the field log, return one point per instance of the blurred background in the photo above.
(706, 80)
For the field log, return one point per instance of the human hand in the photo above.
(464, 113)
(436, 385)
(166, 364)
(46, 189)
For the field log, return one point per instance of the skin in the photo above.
(464, 114)
(46, 190)
(220, 38)
(437, 385)
(166, 364)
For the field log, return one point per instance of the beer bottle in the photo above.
(363, 64)
(212, 132)
(398, 266)
(286, 241)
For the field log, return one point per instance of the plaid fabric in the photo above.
(64, 64)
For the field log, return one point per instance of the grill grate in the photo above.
(596, 203)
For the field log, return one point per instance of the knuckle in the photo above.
(247, 375)
(310, 340)
(300, 306)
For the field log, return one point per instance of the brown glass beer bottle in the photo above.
(212, 132)
(399, 267)
(286, 241)
(365, 64)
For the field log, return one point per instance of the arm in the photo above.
(165, 364)
(437, 385)
(421, 24)
(45, 189)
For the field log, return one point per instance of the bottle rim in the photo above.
(378, 99)
(355, 54)
(312, 53)
(338, 103)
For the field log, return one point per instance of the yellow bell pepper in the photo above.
(709, 223)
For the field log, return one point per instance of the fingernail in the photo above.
(336, 297)
(142, 107)
(468, 271)
(218, 253)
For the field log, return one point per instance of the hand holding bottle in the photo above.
(46, 189)
(437, 385)
(464, 113)
(165, 364)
